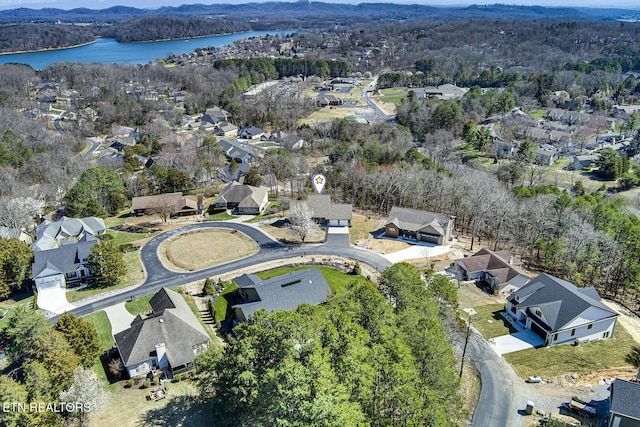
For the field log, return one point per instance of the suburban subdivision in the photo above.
(392, 215)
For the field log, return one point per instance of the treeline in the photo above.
(16, 38)
(363, 358)
(494, 77)
(621, 59)
(283, 67)
(149, 28)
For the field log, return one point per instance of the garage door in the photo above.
(538, 330)
(50, 282)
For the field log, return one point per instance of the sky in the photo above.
(153, 4)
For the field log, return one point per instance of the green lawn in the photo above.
(123, 237)
(488, 321)
(138, 305)
(263, 216)
(100, 321)
(114, 221)
(220, 307)
(564, 359)
(134, 276)
(221, 216)
(361, 226)
(537, 114)
(393, 95)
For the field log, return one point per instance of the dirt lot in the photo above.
(195, 251)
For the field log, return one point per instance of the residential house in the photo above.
(240, 152)
(214, 115)
(63, 266)
(285, 139)
(245, 199)
(328, 101)
(173, 203)
(327, 213)
(499, 270)
(227, 176)
(249, 132)
(418, 225)
(547, 156)
(624, 410)
(584, 161)
(285, 292)
(445, 91)
(168, 339)
(225, 129)
(560, 312)
(66, 231)
(15, 233)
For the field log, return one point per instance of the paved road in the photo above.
(158, 275)
(496, 404)
(365, 96)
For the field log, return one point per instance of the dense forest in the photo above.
(150, 28)
(367, 357)
(16, 38)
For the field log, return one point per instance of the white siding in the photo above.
(590, 315)
(583, 333)
(50, 282)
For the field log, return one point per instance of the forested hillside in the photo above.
(16, 38)
(150, 28)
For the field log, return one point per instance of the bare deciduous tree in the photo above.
(301, 223)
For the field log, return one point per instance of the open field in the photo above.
(206, 248)
(128, 407)
(564, 359)
(282, 234)
(361, 226)
(393, 95)
(328, 114)
(135, 275)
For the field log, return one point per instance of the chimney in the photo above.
(512, 260)
(161, 355)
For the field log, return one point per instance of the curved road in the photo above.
(158, 275)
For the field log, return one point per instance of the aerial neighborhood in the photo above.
(400, 215)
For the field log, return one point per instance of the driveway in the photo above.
(338, 236)
(54, 300)
(417, 251)
(119, 317)
(515, 342)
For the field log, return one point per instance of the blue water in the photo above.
(110, 51)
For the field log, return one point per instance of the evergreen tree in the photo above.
(107, 263)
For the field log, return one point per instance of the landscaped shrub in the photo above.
(146, 383)
(209, 288)
(130, 382)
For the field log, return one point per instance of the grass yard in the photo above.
(220, 307)
(128, 407)
(361, 226)
(11, 304)
(100, 321)
(564, 359)
(139, 305)
(114, 221)
(336, 279)
(282, 234)
(488, 321)
(206, 248)
(135, 275)
(221, 215)
(123, 237)
(393, 95)
(537, 114)
(264, 216)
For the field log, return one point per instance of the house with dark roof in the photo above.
(63, 266)
(175, 203)
(499, 270)
(245, 199)
(284, 292)
(250, 132)
(168, 339)
(240, 152)
(52, 235)
(560, 312)
(624, 410)
(326, 213)
(419, 226)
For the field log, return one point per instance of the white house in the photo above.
(560, 312)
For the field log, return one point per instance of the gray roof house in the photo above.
(327, 213)
(497, 269)
(169, 338)
(250, 132)
(246, 199)
(51, 235)
(241, 152)
(419, 226)
(175, 203)
(284, 292)
(561, 313)
(64, 265)
(623, 403)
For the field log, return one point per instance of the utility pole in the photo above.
(464, 350)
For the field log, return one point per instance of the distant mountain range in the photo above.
(317, 11)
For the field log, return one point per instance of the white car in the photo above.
(534, 379)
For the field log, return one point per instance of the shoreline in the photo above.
(19, 52)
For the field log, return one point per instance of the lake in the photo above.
(110, 51)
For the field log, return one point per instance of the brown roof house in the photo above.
(246, 199)
(169, 338)
(419, 226)
(175, 204)
(326, 213)
(498, 269)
